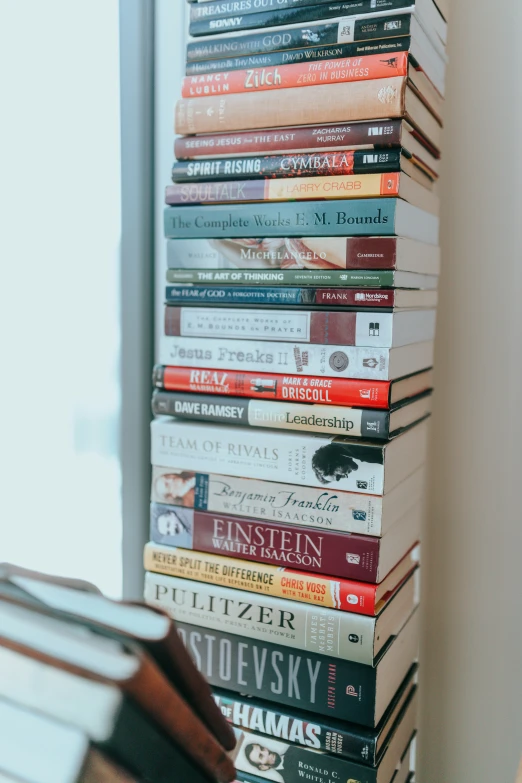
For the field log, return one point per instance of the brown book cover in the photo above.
(160, 640)
(102, 659)
(323, 103)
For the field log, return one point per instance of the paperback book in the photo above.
(330, 361)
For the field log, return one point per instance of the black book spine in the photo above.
(217, 409)
(220, 8)
(201, 407)
(349, 32)
(302, 728)
(278, 18)
(282, 166)
(312, 54)
(322, 685)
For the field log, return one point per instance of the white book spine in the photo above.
(290, 623)
(331, 361)
(276, 456)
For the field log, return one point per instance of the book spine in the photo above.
(332, 361)
(339, 136)
(269, 386)
(285, 56)
(327, 686)
(306, 417)
(251, 21)
(223, 8)
(326, 767)
(315, 165)
(305, 277)
(309, 252)
(290, 623)
(348, 512)
(280, 77)
(335, 739)
(322, 103)
(342, 594)
(319, 327)
(290, 457)
(346, 555)
(300, 189)
(357, 217)
(242, 295)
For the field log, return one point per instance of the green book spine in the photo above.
(302, 277)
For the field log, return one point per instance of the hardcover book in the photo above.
(356, 217)
(266, 758)
(313, 138)
(352, 637)
(373, 66)
(349, 186)
(309, 165)
(337, 738)
(317, 683)
(222, 19)
(293, 388)
(343, 594)
(358, 253)
(325, 328)
(294, 458)
(295, 416)
(376, 99)
(394, 299)
(347, 555)
(382, 278)
(350, 512)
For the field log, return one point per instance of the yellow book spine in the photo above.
(254, 577)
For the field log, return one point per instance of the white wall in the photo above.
(472, 650)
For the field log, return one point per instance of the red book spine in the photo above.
(327, 391)
(347, 555)
(297, 139)
(351, 69)
(356, 297)
(325, 328)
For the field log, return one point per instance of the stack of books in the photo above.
(95, 691)
(294, 382)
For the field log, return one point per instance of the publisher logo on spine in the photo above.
(339, 361)
(354, 559)
(351, 691)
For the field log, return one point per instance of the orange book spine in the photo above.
(348, 69)
(323, 103)
(291, 189)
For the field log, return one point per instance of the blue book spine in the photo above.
(176, 295)
(358, 217)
